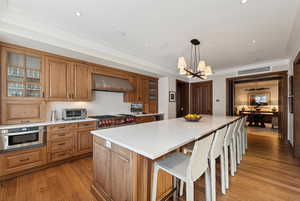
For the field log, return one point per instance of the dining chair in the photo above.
(187, 168)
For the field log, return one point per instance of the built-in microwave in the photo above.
(15, 138)
(74, 113)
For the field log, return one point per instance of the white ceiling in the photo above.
(158, 32)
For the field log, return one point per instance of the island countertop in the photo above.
(155, 139)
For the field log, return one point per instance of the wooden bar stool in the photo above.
(187, 168)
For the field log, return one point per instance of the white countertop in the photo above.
(155, 139)
(47, 123)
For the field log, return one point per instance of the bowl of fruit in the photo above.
(192, 117)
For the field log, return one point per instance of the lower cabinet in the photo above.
(64, 141)
(122, 175)
(144, 119)
(14, 162)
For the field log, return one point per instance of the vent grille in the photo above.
(254, 70)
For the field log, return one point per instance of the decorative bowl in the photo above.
(193, 119)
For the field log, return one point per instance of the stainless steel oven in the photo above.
(15, 138)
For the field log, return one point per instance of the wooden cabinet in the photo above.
(84, 141)
(22, 74)
(17, 111)
(122, 175)
(82, 89)
(145, 91)
(67, 140)
(58, 79)
(112, 171)
(144, 119)
(22, 160)
(67, 81)
(120, 167)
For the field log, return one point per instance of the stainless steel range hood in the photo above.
(107, 83)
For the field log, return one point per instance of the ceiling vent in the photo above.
(254, 70)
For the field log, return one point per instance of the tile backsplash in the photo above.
(103, 103)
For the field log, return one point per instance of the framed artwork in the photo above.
(172, 96)
(259, 99)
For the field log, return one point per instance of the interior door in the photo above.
(297, 109)
(201, 97)
(182, 99)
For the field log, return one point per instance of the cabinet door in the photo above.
(120, 167)
(22, 74)
(25, 111)
(84, 141)
(101, 168)
(13, 162)
(132, 96)
(82, 82)
(153, 106)
(58, 84)
(142, 90)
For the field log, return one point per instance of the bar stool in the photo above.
(217, 152)
(238, 141)
(245, 135)
(229, 145)
(187, 168)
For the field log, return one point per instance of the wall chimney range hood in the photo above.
(108, 83)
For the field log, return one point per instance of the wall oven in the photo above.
(15, 138)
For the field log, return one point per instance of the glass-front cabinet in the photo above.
(23, 74)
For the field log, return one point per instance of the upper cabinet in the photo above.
(145, 91)
(58, 83)
(22, 74)
(67, 81)
(82, 82)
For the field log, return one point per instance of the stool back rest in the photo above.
(239, 126)
(218, 142)
(199, 160)
(230, 133)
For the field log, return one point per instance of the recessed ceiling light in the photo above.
(253, 41)
(77, 13)
(244, 1)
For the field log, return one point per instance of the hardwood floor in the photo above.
(268, 172)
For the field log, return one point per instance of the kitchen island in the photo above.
(123, 156)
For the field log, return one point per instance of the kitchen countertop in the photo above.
(47, 123)
(155, 139)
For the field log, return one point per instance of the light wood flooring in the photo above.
(268, 172)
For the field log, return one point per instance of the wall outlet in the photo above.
(108, 144)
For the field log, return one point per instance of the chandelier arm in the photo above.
(194, 74)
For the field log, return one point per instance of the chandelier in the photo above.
(197, 67)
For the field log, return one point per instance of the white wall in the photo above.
(166, 84)
(103, 103)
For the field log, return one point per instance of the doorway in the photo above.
(295, 98)
(194, 98)
(182, 98)
(262, 110)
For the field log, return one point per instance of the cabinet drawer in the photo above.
(60, 155)
(22, 160)
(61, 145)
(87, 125)
(60, 135)
(144, 119)
(61, 127)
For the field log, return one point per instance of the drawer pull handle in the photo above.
(63, 154)
(61, 127)
(23, 160)
(62, 134)
(61, 144)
